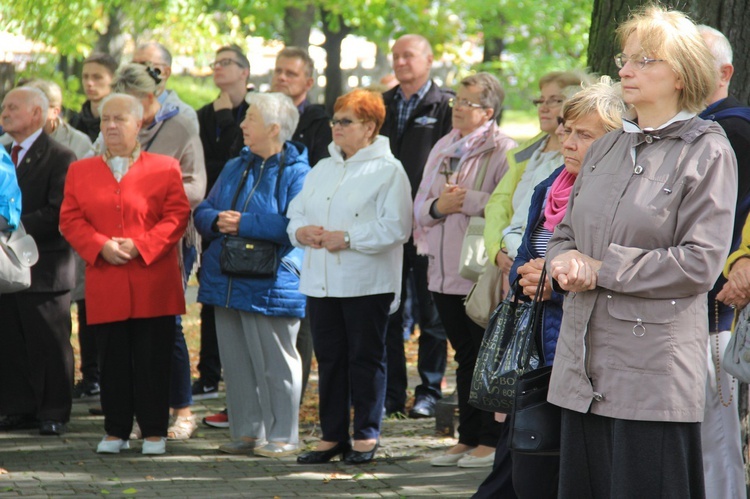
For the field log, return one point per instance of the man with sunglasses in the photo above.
(417, 116)
(156, 56)
(222, 140)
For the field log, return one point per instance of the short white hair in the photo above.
(34, 98)
(717, 44)
(276, 108)
(136, 108)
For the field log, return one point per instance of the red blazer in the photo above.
(149, 205)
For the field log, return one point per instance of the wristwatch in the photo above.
(347, 241)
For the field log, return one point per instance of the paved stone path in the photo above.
(68, 466)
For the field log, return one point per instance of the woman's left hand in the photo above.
(575, 271)
(126, 244)
(530, 273)
(229, 222)
(333, 240)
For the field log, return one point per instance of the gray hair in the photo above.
(166, 57)
(134, 79)
(35, 98)
(717, 44)
(50, 89)
(492, 95)
(276, 108)
(136, 108)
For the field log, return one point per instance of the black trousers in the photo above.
(36, 358)
(135, 357)
(87, 344)
(475, 427)
(433, 346)
(209, 363)
(349, 340)
(603, 457)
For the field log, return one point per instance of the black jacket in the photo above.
(86, 122)
(314, 130)
(428, 124)
(41, 177)
(221, 137)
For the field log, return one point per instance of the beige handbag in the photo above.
(473, 255)
(485, 295)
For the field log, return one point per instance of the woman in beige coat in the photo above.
(646, 233)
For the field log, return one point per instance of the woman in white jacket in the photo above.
(352, 217)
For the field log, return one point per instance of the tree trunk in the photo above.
(607, 15)
(297, 25)
(112, 42)
(731, 17)
(335, 32)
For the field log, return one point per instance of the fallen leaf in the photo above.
(130, 491)
(104, 492)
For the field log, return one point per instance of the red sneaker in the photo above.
(218, 420)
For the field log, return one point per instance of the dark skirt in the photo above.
(603, 458)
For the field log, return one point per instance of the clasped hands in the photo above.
(119, 250)
(575, 271)
(451, 200)
(317, 237)
(736, 291)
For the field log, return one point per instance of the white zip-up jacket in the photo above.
(368, 196)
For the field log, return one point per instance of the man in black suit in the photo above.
(36, 359)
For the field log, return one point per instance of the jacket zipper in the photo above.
(244, 175)
(328, 219)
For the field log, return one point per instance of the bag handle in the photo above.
(537, 309)
(282, 165)
(482, 173)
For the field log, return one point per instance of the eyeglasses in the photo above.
(224, 63)
(551, 102)
(344, 122)
(639, 62)
(452, 102)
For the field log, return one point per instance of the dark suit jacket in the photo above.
(41, 177)
(429, 122)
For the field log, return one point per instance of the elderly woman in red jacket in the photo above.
(124, 213)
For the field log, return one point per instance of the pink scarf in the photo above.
(557, 202)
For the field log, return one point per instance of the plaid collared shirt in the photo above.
(407, 106)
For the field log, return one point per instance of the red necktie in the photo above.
(14, 154)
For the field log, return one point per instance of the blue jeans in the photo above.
(180, 392)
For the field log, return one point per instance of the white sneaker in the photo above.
(448, 459)
(158, 447)
(112, 446)
(240, 446)
(469, 461)
(276, 450)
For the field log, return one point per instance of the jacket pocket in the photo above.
(640, 334)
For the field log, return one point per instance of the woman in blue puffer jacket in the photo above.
(257, 319)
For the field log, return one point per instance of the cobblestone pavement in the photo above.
(68, 466)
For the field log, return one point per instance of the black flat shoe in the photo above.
(52, 428)
(323, 456)
(18, 422)
(357, 457)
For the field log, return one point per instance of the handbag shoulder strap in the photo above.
(482, 173)
(537, 315)
(242, 182)
(282, 164)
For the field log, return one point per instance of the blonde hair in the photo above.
(134, 79)
(671, 35)
(603, 98)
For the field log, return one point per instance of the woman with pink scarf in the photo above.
(447, 198)
(586, 116)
